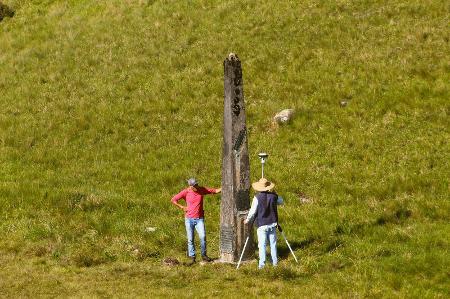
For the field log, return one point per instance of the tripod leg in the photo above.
(242, 254)
(289, 247)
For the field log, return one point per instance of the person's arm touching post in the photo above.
(207, 190)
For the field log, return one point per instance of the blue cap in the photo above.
(192, 182)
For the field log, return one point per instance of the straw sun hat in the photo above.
(263, 185)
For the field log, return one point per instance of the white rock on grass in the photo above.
(284, 116)
(150, 229)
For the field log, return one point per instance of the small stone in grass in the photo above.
(303, 198)
(171, 261)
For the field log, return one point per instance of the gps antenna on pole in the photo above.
(263, 157)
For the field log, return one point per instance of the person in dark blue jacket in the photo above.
(264, 208)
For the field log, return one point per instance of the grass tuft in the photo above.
(107, 107)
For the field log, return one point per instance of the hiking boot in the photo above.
(191, 261)
(206, 258)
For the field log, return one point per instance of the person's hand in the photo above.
(245, 221)
(219, 190)
(184, 208)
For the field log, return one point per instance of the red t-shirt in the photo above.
(194, 200)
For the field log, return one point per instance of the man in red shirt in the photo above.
(194, 215)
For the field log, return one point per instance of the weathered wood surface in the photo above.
(235, 168)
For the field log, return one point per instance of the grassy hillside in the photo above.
(108, 106)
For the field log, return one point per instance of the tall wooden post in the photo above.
(235, 201)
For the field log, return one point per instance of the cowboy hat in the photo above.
(263, 185)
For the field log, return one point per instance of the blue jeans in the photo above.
(199, 225)
(265, 233)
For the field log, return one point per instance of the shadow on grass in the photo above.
(395, 216)
(284, 252)
(5, 11)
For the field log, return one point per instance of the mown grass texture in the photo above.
(107, 107)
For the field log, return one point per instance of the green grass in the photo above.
(108, 106)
